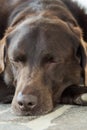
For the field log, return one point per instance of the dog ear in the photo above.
(2, 49)
(82, 50)
(84, 59)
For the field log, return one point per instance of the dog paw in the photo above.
(81, 100)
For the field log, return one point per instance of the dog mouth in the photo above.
(42, 108)
(26, 112)
(33, 103)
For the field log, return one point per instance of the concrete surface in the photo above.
(64, 117)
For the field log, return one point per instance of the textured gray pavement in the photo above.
(65, 117)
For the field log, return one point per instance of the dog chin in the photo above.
(34, 113)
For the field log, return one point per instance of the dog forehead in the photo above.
(41, 34)
(39, 24)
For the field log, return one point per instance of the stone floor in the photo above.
(64, 117)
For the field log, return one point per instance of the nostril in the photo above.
(31, 105)
(21, 106)
(20, 103)
(26, 101)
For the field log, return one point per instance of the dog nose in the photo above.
(26, 101)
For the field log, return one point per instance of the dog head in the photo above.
(43, 57)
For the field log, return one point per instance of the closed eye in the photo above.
(48, 59)
(19, 59)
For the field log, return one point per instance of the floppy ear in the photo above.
(83, 50)
(2, 46)
(84, 59)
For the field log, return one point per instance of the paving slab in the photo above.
(64, 117)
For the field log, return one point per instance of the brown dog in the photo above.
(42, 54)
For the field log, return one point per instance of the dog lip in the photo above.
(23, 112)
(16, 110)
(19, 112)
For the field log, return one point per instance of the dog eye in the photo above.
(20, 59)
(48, 59)
(17, 60)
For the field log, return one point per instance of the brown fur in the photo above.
(45, 55)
